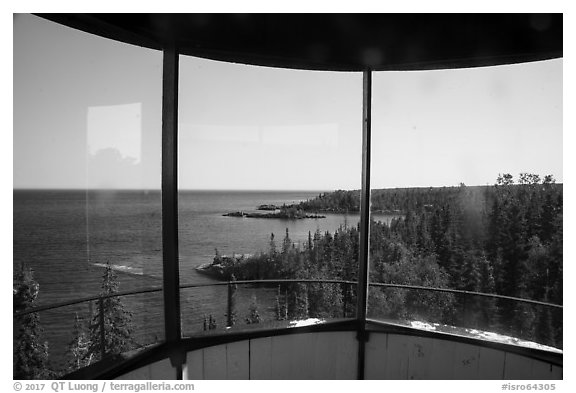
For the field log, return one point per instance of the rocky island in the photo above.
(291, 213)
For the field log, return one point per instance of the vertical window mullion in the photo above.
(364, 249)
(171, 277)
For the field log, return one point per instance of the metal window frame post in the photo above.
(364, 248)
(171, 269)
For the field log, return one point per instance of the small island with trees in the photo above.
(288, 212)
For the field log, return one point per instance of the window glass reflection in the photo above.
(259, 148)
(470, 163)
(87, 212)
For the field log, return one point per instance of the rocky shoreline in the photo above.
(283, 214)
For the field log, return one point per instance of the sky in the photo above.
(87, 114)
(467, 125)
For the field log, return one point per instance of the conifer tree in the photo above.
(254, 315)
(231, 313)
(272, 245)
(471, 274)
(286, 244)
(30, 351)
(116, 321)
(278, 306)
(301, 306)
(212, 325)
(209, 323)
(78, 349)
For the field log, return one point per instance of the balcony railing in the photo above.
(478, 315)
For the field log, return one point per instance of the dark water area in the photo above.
(66, 236)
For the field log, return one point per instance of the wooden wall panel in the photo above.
(261, 358)
(491, 363)
(517, 367)
(327, 347)
(314, 356)
(375, 363)
(283, 356)
(466, 361)
(238, 360)
(541, 370)
(215, 362)
(520, 367)
(396, 357)
(162, 370)
(347, 357)
(333, 355)
(557, 372)
(304, 356)
(419, 355)
(194, 369)
(392, 356)
(443, 353)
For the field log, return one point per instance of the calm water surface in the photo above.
(64, 236)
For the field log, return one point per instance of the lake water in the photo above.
(60, 234)
(66, 236)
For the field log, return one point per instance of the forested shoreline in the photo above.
(502, 239)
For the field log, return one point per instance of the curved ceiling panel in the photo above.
(340, 42)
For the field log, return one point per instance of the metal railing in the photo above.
(472, 293)
(230, 284)
(274, 281)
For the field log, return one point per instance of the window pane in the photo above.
(254, 145)
(461, 165)
(87, 135)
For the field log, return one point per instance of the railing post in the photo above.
(229, 319)
(345, 299)
(102, 332)
(286, 304)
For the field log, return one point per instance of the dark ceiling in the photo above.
(343, 42)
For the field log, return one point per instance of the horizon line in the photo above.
(242, 190)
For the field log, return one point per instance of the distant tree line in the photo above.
(502, 239)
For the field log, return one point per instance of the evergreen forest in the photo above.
(503, 239)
